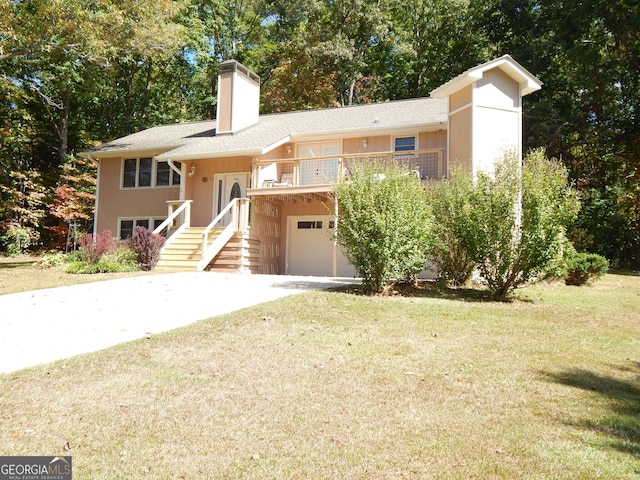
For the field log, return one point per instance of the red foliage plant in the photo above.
(94, 247)
(147, 246)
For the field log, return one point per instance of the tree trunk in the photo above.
(63, 127)
(147, 92)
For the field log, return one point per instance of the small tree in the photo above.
(517, 220)
(385, 224)
(74, 198)
(22, 208)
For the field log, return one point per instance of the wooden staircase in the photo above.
(240, 254)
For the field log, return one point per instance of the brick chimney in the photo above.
(238, 98)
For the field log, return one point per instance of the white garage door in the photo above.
(310, 247)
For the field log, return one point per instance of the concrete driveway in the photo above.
(47, 325)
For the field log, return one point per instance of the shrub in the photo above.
(49, 260)
(556, 269)
(121, 259)
(16, 241)
(93, 247)
(147, 246)
(583, 268)
(450, 203)
(513, 222)
(385, 225)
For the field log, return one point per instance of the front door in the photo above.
(228, 186)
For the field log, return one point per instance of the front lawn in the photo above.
(327, 385)
(21, 274)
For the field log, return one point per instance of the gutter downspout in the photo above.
(97, 194)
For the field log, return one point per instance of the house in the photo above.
(250, 192)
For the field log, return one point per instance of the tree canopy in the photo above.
(74, 73)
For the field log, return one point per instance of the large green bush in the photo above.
(511, 223)
(385, 225)
(450, 201)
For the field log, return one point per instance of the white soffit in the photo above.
(528, 82)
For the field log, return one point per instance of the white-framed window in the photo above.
(126, 225)
(144, 172)
(167, 176)
(405, 143)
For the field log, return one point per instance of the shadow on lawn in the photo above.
(626, 273)
(16, 263)
(622, 421)
(430, 289)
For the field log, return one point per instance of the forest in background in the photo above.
(75, 73)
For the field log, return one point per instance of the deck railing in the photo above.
(304, 172)
(178, 217)
(236, 213)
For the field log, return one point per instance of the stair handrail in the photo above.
(238, 223)
(173, 214)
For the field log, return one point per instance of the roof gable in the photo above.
(527, 81)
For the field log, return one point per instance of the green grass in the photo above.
(20, 274)
(324, 385)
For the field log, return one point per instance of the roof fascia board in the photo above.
(205, 155)
(131, 153)
(277, 144)
(528, 82)
(369, 132)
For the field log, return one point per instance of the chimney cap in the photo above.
(231, 66)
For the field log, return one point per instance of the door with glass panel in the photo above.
(323, 170)
(228, 186)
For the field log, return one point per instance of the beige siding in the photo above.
(496, 89)
(225, 102)
(497, 120)
(460, 129)
(114, 202)
(381, 143)
(201, 186)
(496, 133)
(432, 140)
(461, 98)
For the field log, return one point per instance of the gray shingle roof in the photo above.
(198, 140)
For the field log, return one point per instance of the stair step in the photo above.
(241, 254)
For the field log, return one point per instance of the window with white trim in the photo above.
(144, 172)
(126, 226)
(405, 144)
(167, 176)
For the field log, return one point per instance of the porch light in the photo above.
(364, 143)
(192, 170)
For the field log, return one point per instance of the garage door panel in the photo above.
(310, 247)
